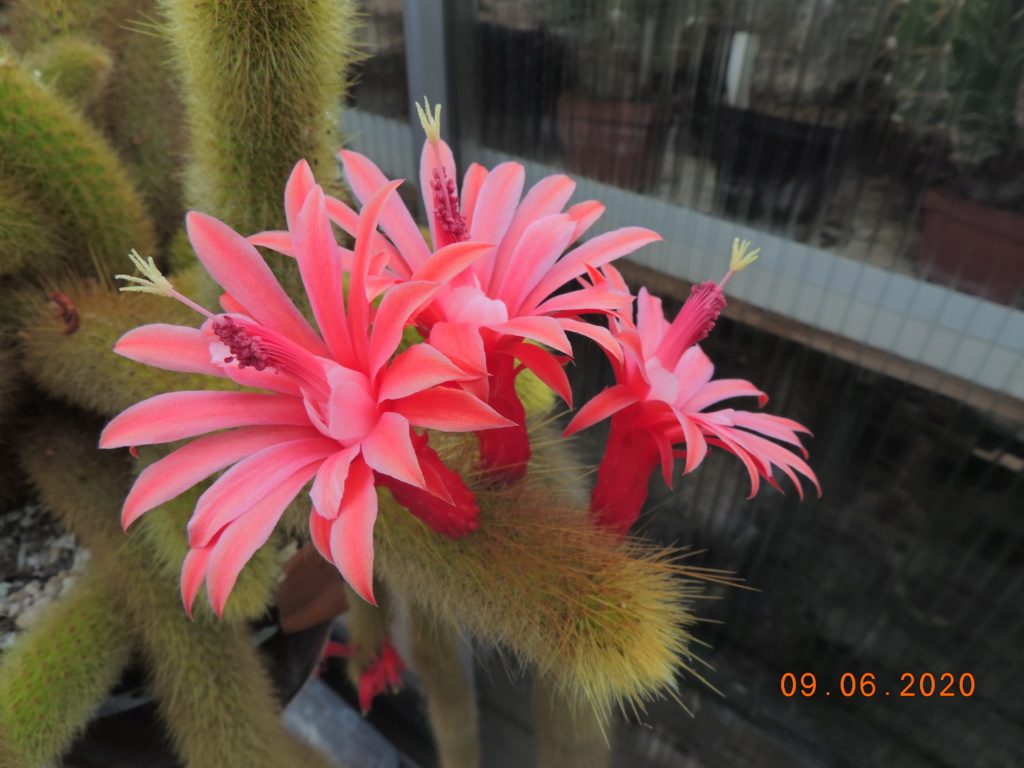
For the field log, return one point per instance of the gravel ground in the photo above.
(38, 561)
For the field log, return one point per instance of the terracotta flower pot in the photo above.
(972, 247)
(617, 142)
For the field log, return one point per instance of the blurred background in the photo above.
(874, 150)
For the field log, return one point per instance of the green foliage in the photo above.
(959, 69)
(73, 655)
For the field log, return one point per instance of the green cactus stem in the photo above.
(36, 22)
(451, 700)
(73, 655)
(213, 691)
(141, 113)
(29, 241)
(75, 67)
(263, 85)
(568, 735)
(211, 688)
(69, 340)
(64, 166)
(606, 619)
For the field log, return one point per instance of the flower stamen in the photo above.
(244, 347)
(446, 207)
(154, 282)
(431, 123)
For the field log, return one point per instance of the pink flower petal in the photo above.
(320, 532)
(417, 368)
(177, 415)
(352, 410)
(329, 486)
(541, 245)
(650, 322)
(365, 179)
(348, 220)
(460, 343)
(773, 454)
(399, 304)
(475, 176)
(545, 330)
(596, 252)
(450, 261)
(242, 486)
(607, 402)
(174, 474)
(449, 410)
(352, 532)
(389, 450)
(321, 272)
(193, 573)
(358, 306)
(693, 372)
(775, 427)
(719, 390)
(240, 539)
(546, 197)
(296, 191)
(721, 436)
(696, 446)
(236, 265)
(604, 339)
(171, 347)
(546, 367)
(275, 240)
(591, 299)
(585, 214)
(494, 208)
(232, 306)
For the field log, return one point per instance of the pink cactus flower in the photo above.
(383, 675)
(485, 316)
(339, 409)
(661, 399)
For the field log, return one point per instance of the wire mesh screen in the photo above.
(887, 133)
(824, 120)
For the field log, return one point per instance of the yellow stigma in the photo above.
(431, 123)
(151, 282)
(740, 257)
